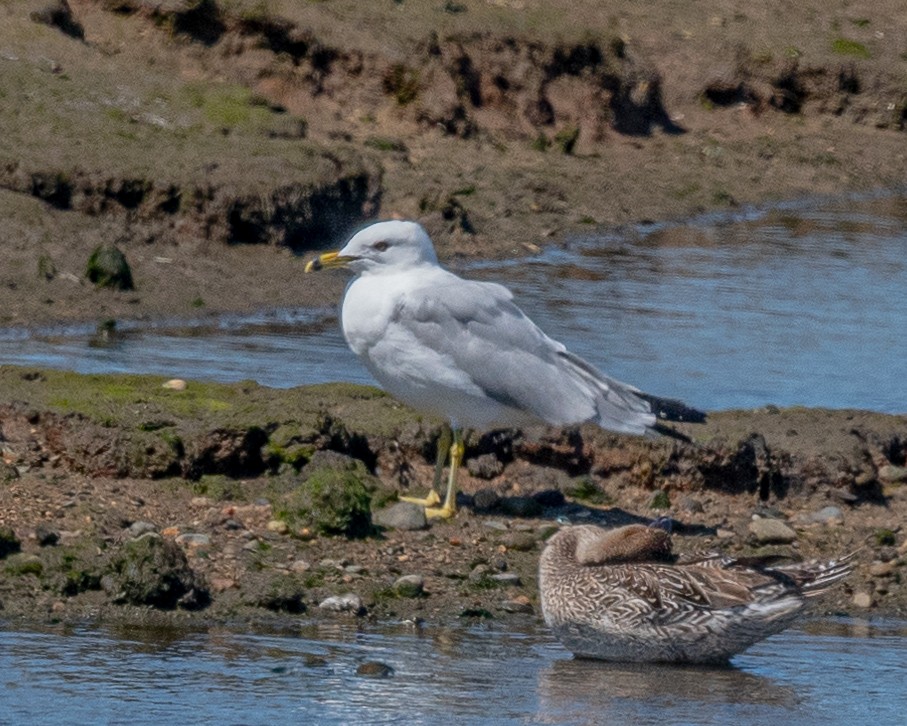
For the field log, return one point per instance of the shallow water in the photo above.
(801, 304)
(829, 672)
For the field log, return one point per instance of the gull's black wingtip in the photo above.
(670, 409)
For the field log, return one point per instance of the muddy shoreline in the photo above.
(124, 500)
(217, 145)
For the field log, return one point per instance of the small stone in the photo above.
(518, 604)
(479, 573)
(170, 532)
(771, 531)
(193, 540)
(300, 566)
(175, 384)
(137, 529)
(485, 500)
(862, 599)
(843, 495)
(827, 516)
(495, 524)
(403, 516)
(374, 669)
(510, 579)
(882, 569)
(220, 584)
(891, 474)
(46, 536)
(347, 603)
(410, 586)
(486, 466)
(690, 504)
(355, 569)
(519, 541)
(278, 526)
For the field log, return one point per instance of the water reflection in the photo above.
(476, 674)
(574, 690)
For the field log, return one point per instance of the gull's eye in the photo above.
(380, 246)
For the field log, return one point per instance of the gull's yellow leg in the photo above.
(432, 499)
(449, 508)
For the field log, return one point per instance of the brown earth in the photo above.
(218, 142)
(124, 500)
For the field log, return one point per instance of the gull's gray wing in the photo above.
(478, 329)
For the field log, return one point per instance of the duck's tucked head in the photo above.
(381, 246)
(633, 543)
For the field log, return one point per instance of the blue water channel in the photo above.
(800, 304)
(827, 672)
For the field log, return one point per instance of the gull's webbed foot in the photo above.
(448, 511)
(430, 500)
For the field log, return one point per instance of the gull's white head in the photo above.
(387, 245)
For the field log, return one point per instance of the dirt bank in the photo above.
(216, 141)
(123, 499)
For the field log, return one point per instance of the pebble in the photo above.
(519, 541)
(506, 578)
(882, 569)
(46, 536)
(690, 504)
(193, 540)
(219, 584)
(892, 474)
(495, 524)
(299, 566)
(278, 526)
(771, 531)
(403, 516)
(843, 495)
(518, 604)
(349, 602)
(485, 466)
(174, 384)
(862, 599)
(485, 499)
(410, 586)
(374, 669)
(137, 529)
(826, 515)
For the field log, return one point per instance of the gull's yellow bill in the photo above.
(327, 261)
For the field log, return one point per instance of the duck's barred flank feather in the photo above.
(621, 595)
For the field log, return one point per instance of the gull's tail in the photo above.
(624, 408)
(620, 407)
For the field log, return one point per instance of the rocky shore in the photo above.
(215, 142)
(143, 500)
(205, 147)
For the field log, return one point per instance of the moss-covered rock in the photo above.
(334, 497)
(151, 570)
(107, 267)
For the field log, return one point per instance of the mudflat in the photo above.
(216, 145)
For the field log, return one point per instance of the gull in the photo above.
(621, 595)
(463, 351)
